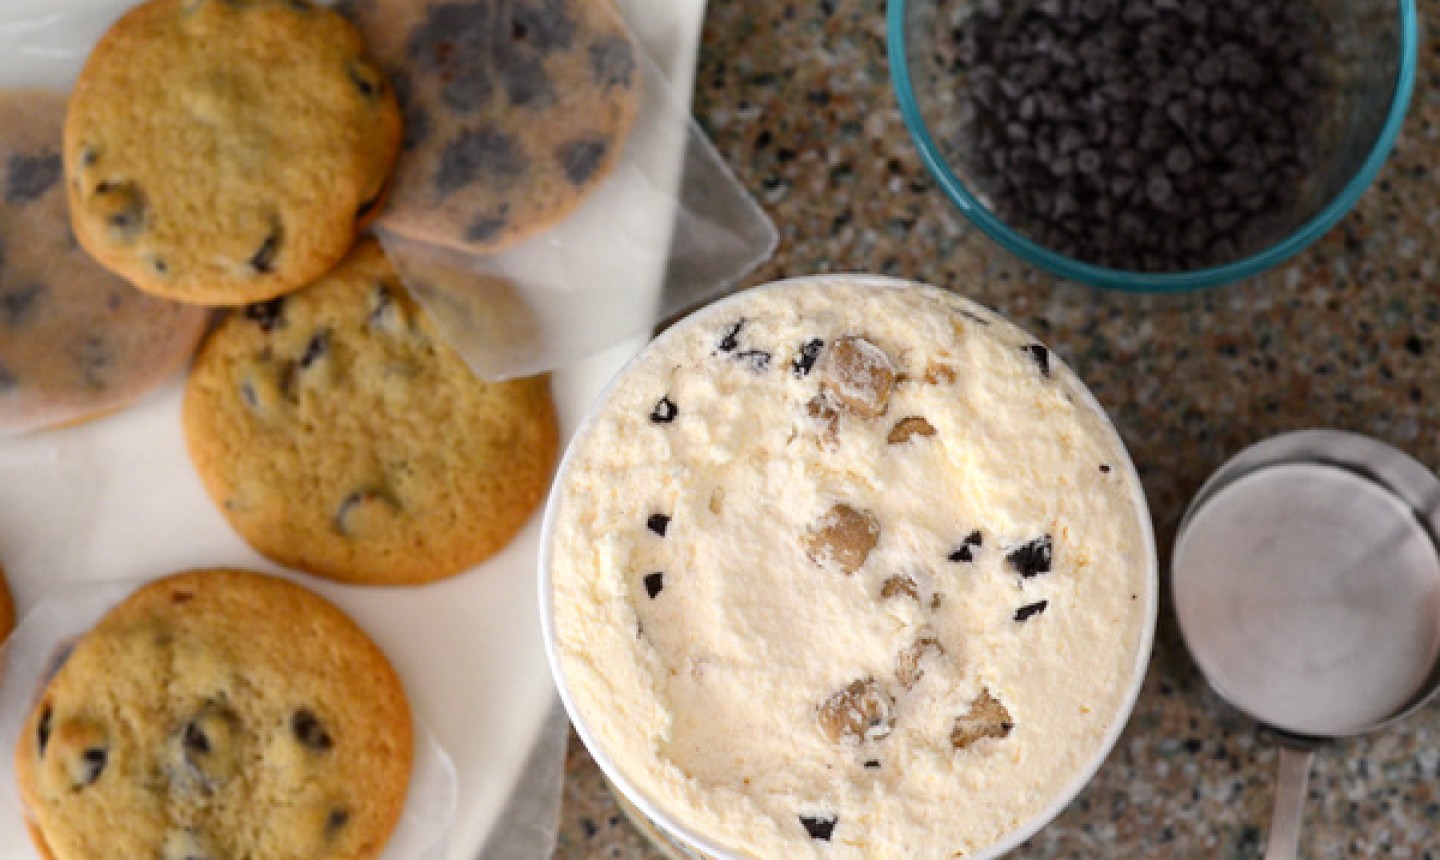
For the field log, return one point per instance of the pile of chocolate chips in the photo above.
(1148, 135)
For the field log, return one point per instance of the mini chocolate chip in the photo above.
(161, 267)
(612, 62)
(18, 306)
(758, 360)
(356, 508)
(336, 821)
(487, 153)
(1105, 467)
(92, 764)
(654, 583)
(122, 207)
(316, 349)
(30, 176)
(1032, 558)
(1041, 357)
(581, 158)
(263, 260)
(367, 80)
(965, 552)
(658, 523)
(89, 156)
(211, 744)
(194, 740)
(872, 764)
(808, 355)
(364, 209)
(819, 827)
(1025, 612)
(731, 341)
(308, 731)
(42, 730)
(664, 412)
(268, 315)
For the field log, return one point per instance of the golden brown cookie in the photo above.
(218, 714)
(515, 110)
(340, 435)
(75, 340)
(227, 151)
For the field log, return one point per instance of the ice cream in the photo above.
(846, 568)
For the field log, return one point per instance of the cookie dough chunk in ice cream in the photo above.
(850, 568)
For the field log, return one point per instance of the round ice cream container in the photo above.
(847, 566)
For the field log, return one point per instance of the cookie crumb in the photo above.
(986, 719)
(843, 538)
(862, 712)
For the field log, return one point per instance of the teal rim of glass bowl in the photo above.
(1137, 282)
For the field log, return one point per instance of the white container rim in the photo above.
(654, 811)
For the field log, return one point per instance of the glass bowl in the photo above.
(1370, 74)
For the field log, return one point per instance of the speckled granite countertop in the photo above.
(796, 96)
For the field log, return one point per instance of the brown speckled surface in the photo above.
(796, 96)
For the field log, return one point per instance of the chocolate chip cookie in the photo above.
(218, 714)
(515, 110)
(340, 435)
(75, 340)
(227, 151)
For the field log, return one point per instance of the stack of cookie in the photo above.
(230, 154)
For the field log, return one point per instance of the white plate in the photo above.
(117, 499)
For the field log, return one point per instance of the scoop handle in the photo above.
(1284, 842)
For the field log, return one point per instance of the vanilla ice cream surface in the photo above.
(849, 569)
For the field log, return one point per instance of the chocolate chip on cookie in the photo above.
(440, 468)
